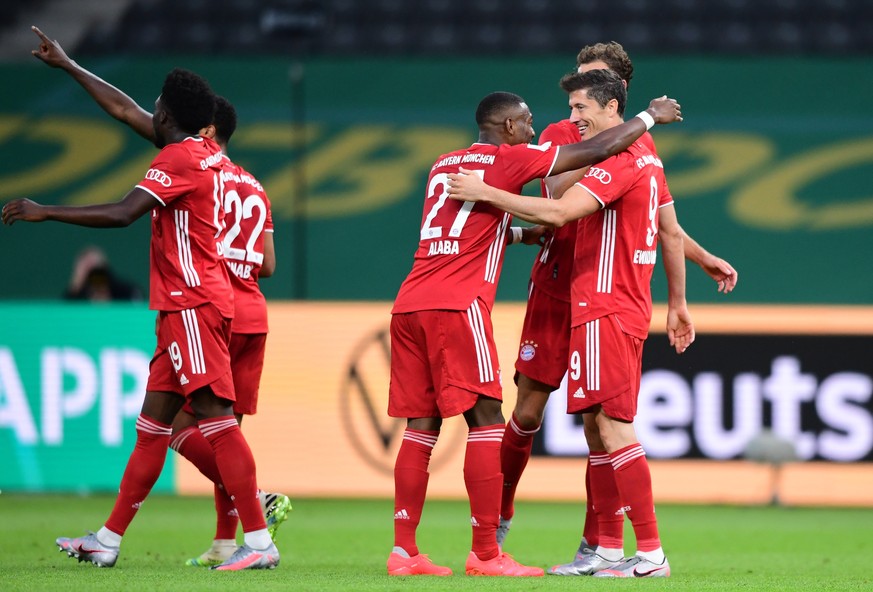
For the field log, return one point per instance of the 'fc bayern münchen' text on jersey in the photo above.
(247, 217)
(460, 254)
(553, 265)
(616, 248)
(187, 268)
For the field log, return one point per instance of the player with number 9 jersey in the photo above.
(187, 268)
(619, 243)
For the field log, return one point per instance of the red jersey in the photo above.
(553, 267)
(616, 248)
(186, 267)
(554, 263)
(460, 254)
(247, 217)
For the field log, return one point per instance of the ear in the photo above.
(208, 132)
(509, 126)
(612, 106)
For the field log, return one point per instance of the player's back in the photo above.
(460, 251)
(247, 217)
(187, 269)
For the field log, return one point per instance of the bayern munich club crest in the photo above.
(528, 350)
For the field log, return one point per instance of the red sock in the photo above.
(410, 485)
(590, 531)
(237, 468)
(634, 483)
(514, 454)
(143, 469)
(484, 482)
(605, 501)
(226, 516)
(191, 444)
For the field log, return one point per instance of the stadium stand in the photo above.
(458, 27)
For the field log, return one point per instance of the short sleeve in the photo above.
(609, 180)
(168, 177)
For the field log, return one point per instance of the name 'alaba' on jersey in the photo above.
(460, 253)
(187, 268)
(247, 217)
(616, 248)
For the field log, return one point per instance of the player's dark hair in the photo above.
(189, 100)
(224, 120)
(612, 54)
(491, 109)
(601, 85)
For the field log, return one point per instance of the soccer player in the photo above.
(190, 288)
(624, 208)
(443, 357)
(542, 359)
(249, 254)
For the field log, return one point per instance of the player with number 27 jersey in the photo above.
(187, 269)
(460, 254)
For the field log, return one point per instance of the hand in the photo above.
(535, 235)
(680, 329)
(466, 185)
(665, 110)
(50, 51)
(22, 209)
(721, 271)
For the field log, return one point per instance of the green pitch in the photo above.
(342, 545)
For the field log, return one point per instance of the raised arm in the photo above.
(680, 329)
(614, 140)
(112, 100)
(114, 215)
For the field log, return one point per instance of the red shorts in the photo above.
(192, 352)
(247, 363)
(545, 339)
(605, 368)
(442, 361)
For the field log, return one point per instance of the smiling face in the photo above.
(587, 114)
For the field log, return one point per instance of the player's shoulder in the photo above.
(560, 133)
(648, 141)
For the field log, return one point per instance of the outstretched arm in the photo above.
(614, 140)
(112, 100)
(717, 268)
(114, 215)
(680, 329)
(576, 202)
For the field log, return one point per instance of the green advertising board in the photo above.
(72, 380)
(771, 168)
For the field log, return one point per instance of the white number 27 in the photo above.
(428, 231)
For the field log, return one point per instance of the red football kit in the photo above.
(611, 300)
(188, 281)
(545, 333)
(247, 217)
(442, 344)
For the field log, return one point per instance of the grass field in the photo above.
(330, 545)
